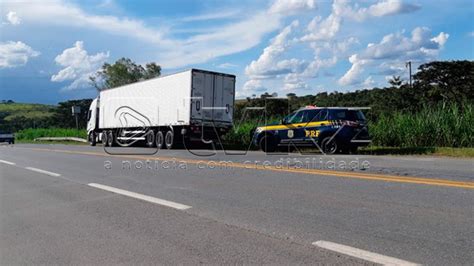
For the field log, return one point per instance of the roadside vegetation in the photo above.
(433, 116)
(30, 134)
(444, 125)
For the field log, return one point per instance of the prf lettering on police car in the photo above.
(311, 133)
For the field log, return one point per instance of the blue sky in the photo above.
(49, 48)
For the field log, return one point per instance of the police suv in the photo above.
(330, 129)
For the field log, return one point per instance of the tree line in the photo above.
(445, 82)
(439, 82)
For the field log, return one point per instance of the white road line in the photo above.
(42, 171)
(142, 197)
(362, 254)
(7, 162)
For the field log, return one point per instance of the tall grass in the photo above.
(240, 137)
(441, 126)
(33, 133)
(444, 125)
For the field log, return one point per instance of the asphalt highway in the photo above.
(68, 204)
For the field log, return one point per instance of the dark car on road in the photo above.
(7, 137)
(331, 129)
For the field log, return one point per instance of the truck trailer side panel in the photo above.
(162, 101)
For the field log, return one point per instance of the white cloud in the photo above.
(320, 29)
(316, 65)
(379, 9)
(62, 13)
(292, 87)
(14, 54)
(391, 7)
(395, 49)
(226, 65)
(266, 65)
(441, 39)
(269, 65)
(78, 66)
(253, 85)
(292, 6)
(352, 75)
(13, 18)
(368, 83)
(323, 37)
(215, 15)
(225, 39)
(326, 29)
(293, 82)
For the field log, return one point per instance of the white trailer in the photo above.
(194, 105)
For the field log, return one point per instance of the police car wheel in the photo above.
(354, 149)
(267, 144)
(329, 145)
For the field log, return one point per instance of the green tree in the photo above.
(63, 117)
(449, 81)
(124, 71)
(396, 81)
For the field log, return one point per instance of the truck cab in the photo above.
(331, 129)
(93, 122)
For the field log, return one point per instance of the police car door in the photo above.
(315, 121)
(293, 130)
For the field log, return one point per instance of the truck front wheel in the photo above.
(169, 139)
(92, 138)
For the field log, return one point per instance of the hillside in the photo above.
(23, 115)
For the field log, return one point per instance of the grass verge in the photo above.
(434, 151)
(23, 141)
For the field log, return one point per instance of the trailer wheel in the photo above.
(150, 138)
(104, 138)
(110, 138)
(169, 139)
(92, 138)
(159, 139)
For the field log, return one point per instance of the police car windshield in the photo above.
(296, 117)
(344, 114)
(306, 116)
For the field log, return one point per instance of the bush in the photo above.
(442, 126)
(33, 133)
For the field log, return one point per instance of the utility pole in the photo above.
(76, 110)
(408, 65)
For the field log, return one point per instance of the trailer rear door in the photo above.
(213, 96)
(223, 98)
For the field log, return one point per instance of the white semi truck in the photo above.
(168, 111)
